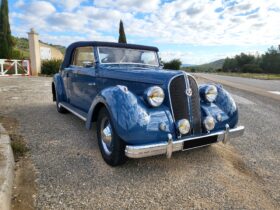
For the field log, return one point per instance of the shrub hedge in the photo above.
(50, 67)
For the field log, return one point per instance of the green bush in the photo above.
(16, 54)
(50, 67)
(251, 68)
(174, 64)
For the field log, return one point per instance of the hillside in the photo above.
(21, 44)
(212, 66)
(187, 65)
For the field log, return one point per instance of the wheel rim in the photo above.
(106, 135)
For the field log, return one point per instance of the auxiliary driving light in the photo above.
(183, 126)
(209, 123)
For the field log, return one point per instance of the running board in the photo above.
(80, 114)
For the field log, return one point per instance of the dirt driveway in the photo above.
(71, 174)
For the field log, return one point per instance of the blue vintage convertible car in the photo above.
(140, 109)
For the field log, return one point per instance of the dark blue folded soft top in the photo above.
(70, 48)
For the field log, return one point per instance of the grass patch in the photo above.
(17, 141)
(252, 75)
(18, 145)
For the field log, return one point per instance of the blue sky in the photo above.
(195, 31)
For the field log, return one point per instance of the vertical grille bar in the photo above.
(195, 106)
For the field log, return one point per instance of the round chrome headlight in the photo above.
(183, 126)
(154, 96)
(211, 93)
(209, 123)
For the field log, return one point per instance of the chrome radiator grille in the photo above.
(184, 106)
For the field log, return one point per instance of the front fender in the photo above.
(223, 109)
(134, 121)
(59, 88)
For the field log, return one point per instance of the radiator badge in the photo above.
(188, 92)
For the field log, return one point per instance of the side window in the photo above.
(83, 57)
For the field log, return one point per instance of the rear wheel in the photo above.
(110, 144)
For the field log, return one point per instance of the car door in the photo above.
(66, 75)
(83, 78)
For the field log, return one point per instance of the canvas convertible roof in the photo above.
(70, 48)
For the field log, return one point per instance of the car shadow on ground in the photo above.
(51, 133)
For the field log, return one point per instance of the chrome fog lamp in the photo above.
(154, 96)
(209, 123)
(211, 93)
(183, 126)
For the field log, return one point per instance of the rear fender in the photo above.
(59, 88)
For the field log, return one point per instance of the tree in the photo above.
(230, 64)
(174, 64)
(6, 41)
(244, 59)
(122, 38)
(270, 61)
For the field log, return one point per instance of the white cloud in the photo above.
(143, 6)
(19, 3)
(192, 22)
(39, 9)
(68, 5)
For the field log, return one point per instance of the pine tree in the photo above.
(6, 41)
(122, 38)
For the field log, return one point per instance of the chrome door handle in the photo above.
(92, 84)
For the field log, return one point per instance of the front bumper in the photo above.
(170, 146)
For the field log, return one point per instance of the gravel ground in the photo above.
(72, 175)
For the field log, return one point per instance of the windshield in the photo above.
(114, 55)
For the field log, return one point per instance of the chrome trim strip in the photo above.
(165, 147)
(189, 100)
(73, 112)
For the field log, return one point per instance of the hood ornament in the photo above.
(188, 92)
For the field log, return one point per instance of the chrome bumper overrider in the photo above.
(170, 146)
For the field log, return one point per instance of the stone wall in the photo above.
(40, 52)
(54, 53)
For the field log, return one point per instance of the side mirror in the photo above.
(88, 64)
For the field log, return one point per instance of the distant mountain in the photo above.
(187, 65)
(212, 66)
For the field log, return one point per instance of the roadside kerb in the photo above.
(7, 165)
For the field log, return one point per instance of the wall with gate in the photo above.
(14, 67)
(40, 52)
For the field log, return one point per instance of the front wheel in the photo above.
(110, 144)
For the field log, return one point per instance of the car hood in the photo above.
(138, 74)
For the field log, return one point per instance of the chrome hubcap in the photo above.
(106, 135)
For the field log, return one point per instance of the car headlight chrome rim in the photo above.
(211, 93)
(209, 123)
(183, 126)
(155, 96)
